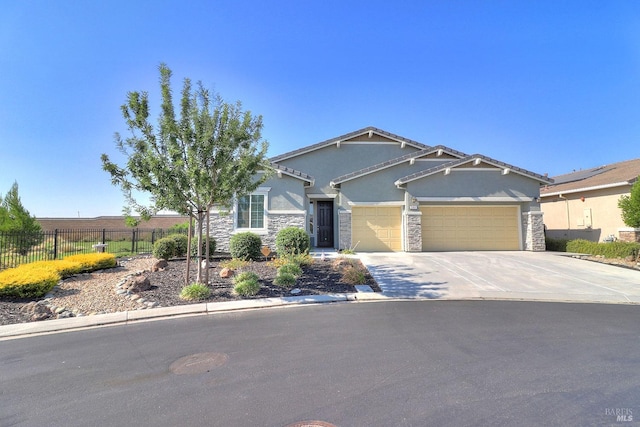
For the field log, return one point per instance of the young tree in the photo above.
(208, 155)
(24, 230)
(630, 206)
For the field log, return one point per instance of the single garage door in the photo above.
(462, 228)
(376, 229)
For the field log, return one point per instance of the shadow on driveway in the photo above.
(406, 282)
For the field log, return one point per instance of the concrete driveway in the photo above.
(540, 276)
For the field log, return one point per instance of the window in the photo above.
(250, 212)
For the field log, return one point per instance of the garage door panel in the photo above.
(448, 228)
(377, 228)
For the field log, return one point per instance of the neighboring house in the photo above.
(584, 204)
(375, 191)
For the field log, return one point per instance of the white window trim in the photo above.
(262, 191)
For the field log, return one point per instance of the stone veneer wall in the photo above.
(344, 229)
(413, 231)
(629, 235)
(221, 228)
(533, 231)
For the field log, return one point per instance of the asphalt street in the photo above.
(402, 363)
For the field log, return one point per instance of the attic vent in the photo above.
(440, 151)
(370, 133)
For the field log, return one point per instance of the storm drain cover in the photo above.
(311, 424)
(198, 363)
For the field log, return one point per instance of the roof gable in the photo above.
(475, 161)
(284, 170)
(366, 135)
(613, 175)
(439, 152)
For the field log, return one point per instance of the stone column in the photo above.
(220, 228)
(533, 231)
(629, 234)
(413, 231)
(344, 229)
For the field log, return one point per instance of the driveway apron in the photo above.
(501, 275)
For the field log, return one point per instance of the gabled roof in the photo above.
(281, 169)
(607, 176)
(436, 151)
(356, 135)
(478, 161)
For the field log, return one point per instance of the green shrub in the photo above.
(195, 292)
(301, 259)
(245, 275)
(608, 250)
(245, 246)
(181, 242)
(234, 264)
(194, 246)
(286, 280)
(292, 241)
(293, 269)
(27, 281)
(95, 261)
(182, 228)
(247, 287)
(556, 245)
(164, 248)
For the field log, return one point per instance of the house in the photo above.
(372, 190)
(584, 204)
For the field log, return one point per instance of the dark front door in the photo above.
(325, 224)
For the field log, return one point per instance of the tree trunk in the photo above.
(207, 254)
(199, 240)
(186, 275)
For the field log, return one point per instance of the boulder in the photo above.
(137, 284)
(160, 265)
(226, 272)
(36, 311)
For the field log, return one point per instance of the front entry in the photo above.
(324, 230)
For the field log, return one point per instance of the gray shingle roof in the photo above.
(332, 141)
(467, 159)
(393, 162)
(292, 172)
(625, 172)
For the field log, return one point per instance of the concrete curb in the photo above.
(125, 317)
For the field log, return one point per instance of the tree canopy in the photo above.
(14, 219)
(212, 152)
(630, 206)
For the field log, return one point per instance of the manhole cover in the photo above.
(198, 363)
(311, 424)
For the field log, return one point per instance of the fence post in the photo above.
(55, 244)
(103, 235)
(133, 241)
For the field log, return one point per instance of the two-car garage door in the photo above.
(451, 228)
(444, 228)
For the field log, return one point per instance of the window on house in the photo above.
(251, 211)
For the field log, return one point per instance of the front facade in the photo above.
(584, 204)
(371, 190)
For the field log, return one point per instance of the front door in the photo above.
(325, 224)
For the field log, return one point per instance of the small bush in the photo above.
(278, 262)
(164, 248)
(354, 276)
(245, 275)
(301, 259)
(181, 242)
(245, 246)
(93, 262)
(182, 228)
(194, 246)
(247, 287)
(286, 280)
(195, 292)
(293, 269)
(64, 267)
(234, 264)
(608, 250)
(292, 241)
(28, 281)
(556, 245)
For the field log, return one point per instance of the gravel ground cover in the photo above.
(95, 293)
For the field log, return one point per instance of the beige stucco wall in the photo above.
(569, 218)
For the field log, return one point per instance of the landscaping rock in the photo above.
(36, 311)
(159, 265)
(137, 284)
(226, 272)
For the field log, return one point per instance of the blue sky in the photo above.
(548, 86)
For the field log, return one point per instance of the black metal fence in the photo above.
(19, 247)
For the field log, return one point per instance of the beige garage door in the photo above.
(461, 228)
(377, 229)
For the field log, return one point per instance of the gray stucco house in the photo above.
(375, 191)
